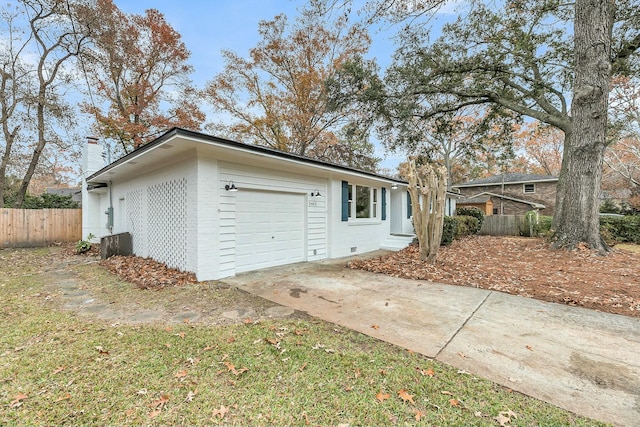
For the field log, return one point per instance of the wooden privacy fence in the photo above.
(23, 228)
(502, 225)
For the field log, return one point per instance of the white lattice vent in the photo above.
(167, 219)
(133, 201)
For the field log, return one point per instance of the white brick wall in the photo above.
(181, 214)
(365, 235)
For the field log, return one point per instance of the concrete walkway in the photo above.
(578, 359)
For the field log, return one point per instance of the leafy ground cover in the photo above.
(57, 368)
(529, 268)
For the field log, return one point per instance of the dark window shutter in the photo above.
(345, 201)
(408, 205)
(384, 204)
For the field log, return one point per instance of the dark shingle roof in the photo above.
(508, 178)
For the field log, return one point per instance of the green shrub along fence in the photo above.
(466, 222)
(614, 229)
(624, 229)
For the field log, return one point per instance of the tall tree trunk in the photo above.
(577, 205)
(37, 151)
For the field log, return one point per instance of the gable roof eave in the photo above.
(198, 137)
(507, 179)
(534, 205)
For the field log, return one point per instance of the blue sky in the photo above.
(209, 26)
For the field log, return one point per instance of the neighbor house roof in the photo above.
(484, 196)
(188, 139)
(508, 178)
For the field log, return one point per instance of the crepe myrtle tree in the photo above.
(427, 189)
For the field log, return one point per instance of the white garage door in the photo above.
(270, 229)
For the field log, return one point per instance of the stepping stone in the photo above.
(279, 311)
(239, 313)
(97, 308)
(190, 316)
(75, 294)
(146, 316)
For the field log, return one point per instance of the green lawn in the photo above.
(57, 368)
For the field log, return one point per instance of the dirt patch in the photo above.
(526, 267)
(134, 290)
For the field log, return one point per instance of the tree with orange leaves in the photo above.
(140, 74)
(623, 153)
(542, 146)
(277, 96)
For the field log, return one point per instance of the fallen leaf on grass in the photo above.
(59, 369)
(155, 413)
(159, 403)
(17, 401)
(382, 396)
(220, 413)
(405, 396)
(233, 369)
(191, 395)
(101, 350)
(426, 372)
(181, 374)
(420, 414)
(505, 417)
(454, 402)
(65, 397)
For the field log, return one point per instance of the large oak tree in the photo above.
(521, 57)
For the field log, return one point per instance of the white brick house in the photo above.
(175, 196)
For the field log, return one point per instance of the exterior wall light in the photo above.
(231, 186)
(394, 186)
(316, 193)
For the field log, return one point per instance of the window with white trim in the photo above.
(363, 202)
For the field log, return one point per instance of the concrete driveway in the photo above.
(578, 359)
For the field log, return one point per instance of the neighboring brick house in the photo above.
(510, 194)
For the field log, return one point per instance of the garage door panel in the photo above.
(270, 229)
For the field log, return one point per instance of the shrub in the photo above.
(83, 246)
(465, 225)
(620, 229)
(536, 225)
(448, 231)
(474, 212)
